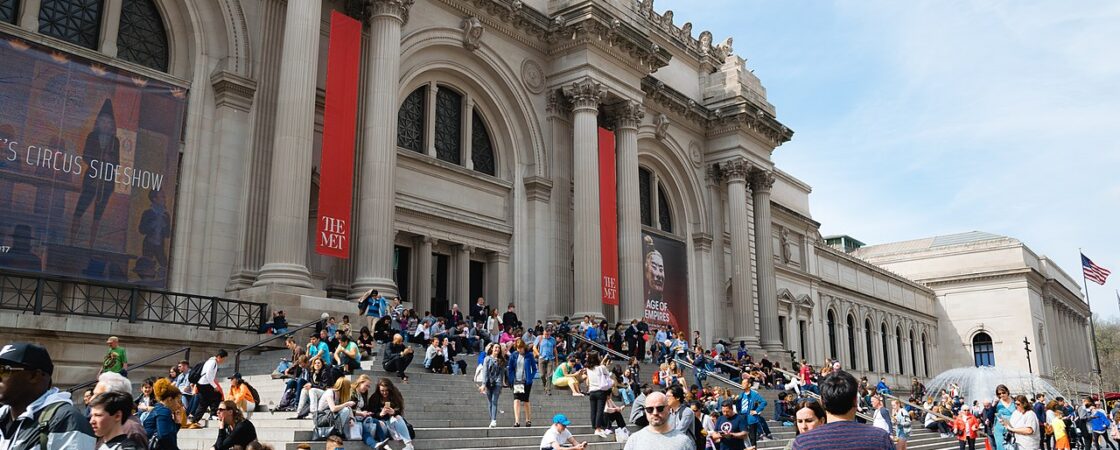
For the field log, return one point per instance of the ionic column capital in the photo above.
(585, 94)
(761, 180)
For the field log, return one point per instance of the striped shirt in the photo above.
(845, 435)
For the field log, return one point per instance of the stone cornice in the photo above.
(701, 48)
(778, 207)
(702, 241)
(822, 248)
(233, 90)
(509, 17)
(590, 23)
(538, 189)
(722, 121)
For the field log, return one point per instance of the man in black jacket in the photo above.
(29, 400)
(509, 319)
(479, 311)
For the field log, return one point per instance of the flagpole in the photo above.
(1092, 328)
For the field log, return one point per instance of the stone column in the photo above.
(761, 182)
(462, 278)
(285, 253)
(111, 27)
(735, 174)
(630, 261)
(373, 264)
(585, 96)
(29, 19)
(422, 300)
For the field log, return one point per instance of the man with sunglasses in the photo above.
(32, 408)
(659, 434)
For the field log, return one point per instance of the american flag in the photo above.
(1093, 272)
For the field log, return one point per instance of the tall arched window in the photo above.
(982, 350)
(8, 9)
(832, 334)
(142, 38)
(925, 356)
(898, 348)
(886, 348)
(868, 346)
(851, 342)
(450, 127)
(648, 196)
(913, 356)
(75, 21)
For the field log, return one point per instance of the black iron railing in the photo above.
(132, 367)
(38, 294)
(291, 332)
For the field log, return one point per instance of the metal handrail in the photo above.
(816, 396)
(186, 356)
(602, 347)
(712, 375)
(237, 353)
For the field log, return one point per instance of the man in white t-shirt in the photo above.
(558, 436)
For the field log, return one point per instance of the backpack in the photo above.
(253, 391)
(45, 423)
(363, 305)
(196, 373)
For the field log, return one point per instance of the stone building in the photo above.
(476, 168)
(994, 292)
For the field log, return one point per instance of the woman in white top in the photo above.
(494, 325)
(598, 388)
(1024, 424)
(332, 401)
(435, 357)
(422, 334)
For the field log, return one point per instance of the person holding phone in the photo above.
(1023, 424)
(1005, 407)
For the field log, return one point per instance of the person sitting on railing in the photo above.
(279, 324)
(347, 355)
(397, 357)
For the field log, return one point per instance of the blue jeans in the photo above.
(627, 395)
(375, 430)
(492, 393)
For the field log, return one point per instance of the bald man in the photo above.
(659, 434)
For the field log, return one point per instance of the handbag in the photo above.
(480, 374)
(519, 388)
(324, 426)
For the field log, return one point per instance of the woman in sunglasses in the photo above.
(236, 430)
(1005, 407)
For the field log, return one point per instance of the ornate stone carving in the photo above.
(735, 170)
(705, 42)
(629, 114)
(787, 249)
(532, 76)
(761, 180)
(393, 8)
(233, 90)
(724, 50)
(695, 154)
(661, 126)
(538, 189)
(472, 33)
(586, 93)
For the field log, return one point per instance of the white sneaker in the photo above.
(381, 445)
(493, 423)
(608, 431)
(408, 446)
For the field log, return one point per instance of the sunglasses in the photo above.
(5, 370)
(657, 409)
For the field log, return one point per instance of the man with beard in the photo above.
(33, 411)
(659, 434)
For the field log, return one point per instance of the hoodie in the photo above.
(67, 429)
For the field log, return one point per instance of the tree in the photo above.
(1108, 350)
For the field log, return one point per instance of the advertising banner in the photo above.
(88, 166)
(665, 266)
(608, 216)
(336, 180)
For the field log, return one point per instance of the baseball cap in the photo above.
(111, 339)
(561, 419)
(27, 355)
(235, 376)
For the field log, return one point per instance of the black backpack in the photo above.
(196, 373)
(253, 390)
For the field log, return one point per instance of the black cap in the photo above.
(235, 376)
(31, 356)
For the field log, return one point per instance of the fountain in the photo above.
(979, 383)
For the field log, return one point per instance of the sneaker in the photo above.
(517, 424)
(408, 446)
(528, 423)
(608, 431)
(493, 423)
(381, 445)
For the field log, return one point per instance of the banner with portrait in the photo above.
(665, 269)
(88, 166)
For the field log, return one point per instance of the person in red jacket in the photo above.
(966, 426)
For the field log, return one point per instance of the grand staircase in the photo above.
(448, 412)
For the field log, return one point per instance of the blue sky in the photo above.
(920, 118)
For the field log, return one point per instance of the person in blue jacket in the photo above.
(751, 406)
(161, 423)
(522, 369)
(1098, 424)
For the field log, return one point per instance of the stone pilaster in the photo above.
(761, 183)
(290, 187)
(29, 18)
(628, 116)
(373, 265)
(735, 175)
(586, 95)
(422, 300)
(462, 278)
(111, 27)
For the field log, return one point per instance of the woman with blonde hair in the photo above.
(337, 401)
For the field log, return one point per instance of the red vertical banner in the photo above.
(336, 180)
(608, 216)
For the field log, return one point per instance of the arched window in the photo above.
(482, 152)
(851, 342)
(8, 9)
(925, 356)
(898, 349)
(982, 350)
(832, 334)
(449, 124)
(142, 38)
(913, 356)
(886, 348)
(410, 121)
(868, 345)
(75, 21)
(450, 127)
(647, 197)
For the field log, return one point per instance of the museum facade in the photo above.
(477, 169)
